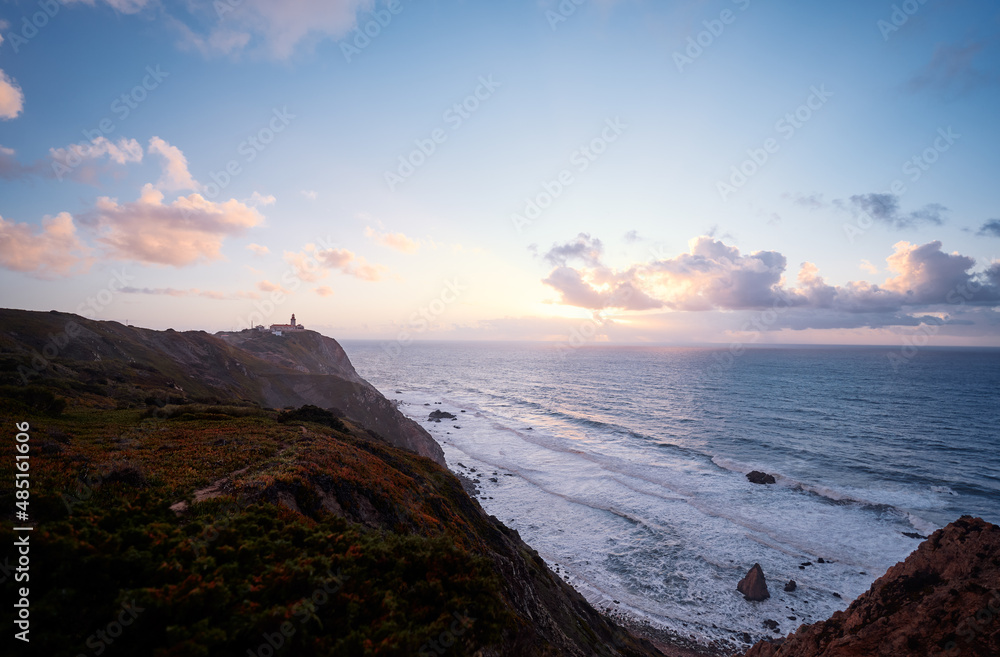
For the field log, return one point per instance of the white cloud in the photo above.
(268, 286)
(82, 162)
(187, 231)
(310, 194)
(260, 199)
(122, 6)
(312, 265)
(11, 97)
(55, 250)
(258, 250)
(397, 241)
(176, 176)
(278, 27)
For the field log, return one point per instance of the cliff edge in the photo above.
(943, 600)
(142, 367)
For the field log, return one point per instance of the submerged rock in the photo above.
(791, 586)
(754, 586)
(437, 416)
(758, 477)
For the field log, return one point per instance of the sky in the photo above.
(724, 171)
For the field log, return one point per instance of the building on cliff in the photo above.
(280, 329)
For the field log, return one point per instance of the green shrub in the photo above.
(314, 414)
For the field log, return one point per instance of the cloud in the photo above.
(952, 70)
(11, 97)
(397, 241)
(258, 250)
(12, 169)
(885, 209)
(276, 28)
(220, 41)
(868, 267)
(268, 286)
(632, 236)
(926, 275)
(583, 248)
(312, 265)
(310, 194)
(812, 201)
(192, 292)
(53, 251)
(990, 229)
(324, 291)
(122, 6)
(185, 232)
(82, 161)
(350, 264)
(259, 199)
(713, 276)
(176, 176)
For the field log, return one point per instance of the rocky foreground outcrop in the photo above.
(943, 600)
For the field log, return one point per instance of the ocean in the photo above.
(625, 466)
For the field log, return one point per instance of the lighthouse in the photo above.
(279, 329)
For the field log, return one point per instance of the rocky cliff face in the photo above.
(317, 371)
(173, 367)
(943, 600)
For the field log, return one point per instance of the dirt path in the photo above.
(212, 490)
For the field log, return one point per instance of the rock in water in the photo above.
(437, 416)
(943, 600)
(754, 586)
(791, 586)
(758, 477)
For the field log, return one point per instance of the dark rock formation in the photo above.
(754, 586)
(758, 477)
(944, 599)
(437, 416)
(791, 586)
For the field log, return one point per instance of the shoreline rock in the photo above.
(754, 585)
(758, 477)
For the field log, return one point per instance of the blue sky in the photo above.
(654, 239)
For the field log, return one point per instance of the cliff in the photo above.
(141, 366)
(162, 480)
(943, 600)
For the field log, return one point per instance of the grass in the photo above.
(219, 578)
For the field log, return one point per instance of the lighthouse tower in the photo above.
(293, 320)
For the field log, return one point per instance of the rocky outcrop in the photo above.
(943, 600)
(754, 585)
(147, 367)
(758, 477)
